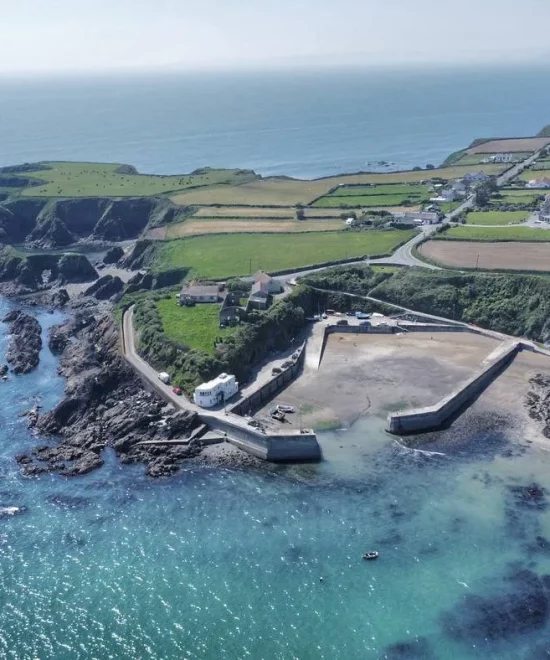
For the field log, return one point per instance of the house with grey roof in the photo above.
(259, 296)
(199, 293)
(273, 285)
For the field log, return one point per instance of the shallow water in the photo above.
(219, 563)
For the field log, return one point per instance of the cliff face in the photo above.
(57, 223)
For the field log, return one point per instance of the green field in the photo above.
(472, 233)
(515, 196)
(361, 191)
(367, 201)
(527, 175)
(496, 217)
(102, 179)
(196, 327)
(243, 254)
(376, 195)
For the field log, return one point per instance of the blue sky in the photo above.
(99, 35)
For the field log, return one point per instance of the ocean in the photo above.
(266, 563)
(307, 124)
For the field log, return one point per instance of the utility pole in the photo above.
(477, 262)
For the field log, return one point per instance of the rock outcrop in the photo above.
(113, 255)
(105, 288)
(105, 405)
(26, 341)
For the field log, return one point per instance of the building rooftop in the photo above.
(222, 379)
(261, 276)
(200, 290)
(260, 289)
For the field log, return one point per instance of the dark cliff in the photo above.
(49, 223)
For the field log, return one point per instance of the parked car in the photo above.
(362, 315)
(342, 322)
(287, 364)
(352, 313)
(164, 377)
(275, 371)
(176, 390)
(284, 408)
(365, 324)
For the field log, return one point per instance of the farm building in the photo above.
(231, 311)
(273, 285)
(259, 296)
(499, 158)
(475, 177)
(539, 183)
(216, 392)
(420, 217)
(199, 293)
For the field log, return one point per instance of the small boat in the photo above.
(367, 556)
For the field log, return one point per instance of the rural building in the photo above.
(259, 296)
(544, 213)
(216, 392)
(499, 158)
(273, 285)
(420, 217)
(539, 183)
(475, 177)
(350, 222)
(231, 311)
(199, 293)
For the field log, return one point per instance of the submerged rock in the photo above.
(531, 497)
(518, 605)
(416, 649)
(26, 341)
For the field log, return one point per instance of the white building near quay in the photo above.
(216, 392)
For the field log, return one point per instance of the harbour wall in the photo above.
(433, 417)
(256, 400)
(292, 446)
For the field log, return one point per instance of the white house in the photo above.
(476, 177)
(273, 285)
(418, 218)
(200, 293)
(539, 183)
(501, 158)
(216, 392)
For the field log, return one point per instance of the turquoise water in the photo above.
(221, 563)
(299, 124)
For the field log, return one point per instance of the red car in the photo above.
(176, 390)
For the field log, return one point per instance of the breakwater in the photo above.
(434, 417)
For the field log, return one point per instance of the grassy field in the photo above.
(289, 192)
(527, 175)
(510, 145)
(472, 233)
(251, 212)
(102, 179)
(222, 226)
(368, 201)
(515, 196)
(243, 254)
(496, 217)
(196, 327)
(405, 190)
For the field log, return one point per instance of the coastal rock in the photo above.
(517, 605)
(3, 370)
(105, 405)
(57, 341)
(26, 341)
(105, 288)
(408, 650)
(113, 255)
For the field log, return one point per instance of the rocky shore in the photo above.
(104, 405)
(26, 342)
(537, 401)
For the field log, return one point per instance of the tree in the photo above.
(300, 213)
(429, 166)
(482, 196)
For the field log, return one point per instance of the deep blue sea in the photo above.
(299, 124)
(225, 563)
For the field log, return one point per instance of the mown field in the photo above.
(252, 212)
(496, 217)
(472, 233)
(243, 254)
(375, 196)
(510, 145)
(289, 192)
(527, 175)
(196, 327)
(490, 256)
(236, 225)
(66, 179)
(515, 196)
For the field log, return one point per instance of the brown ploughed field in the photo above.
(503, 255)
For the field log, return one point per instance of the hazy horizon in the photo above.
(110, 36)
